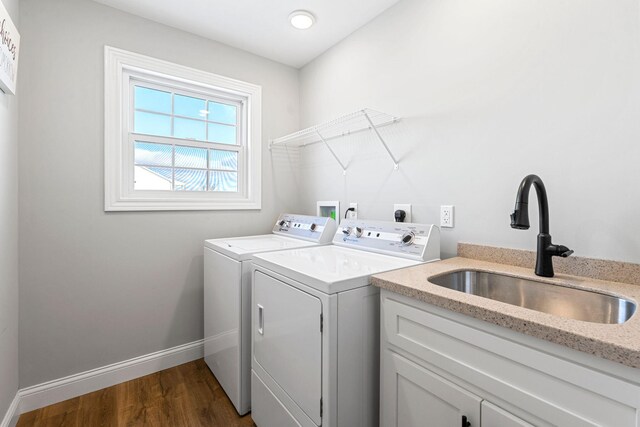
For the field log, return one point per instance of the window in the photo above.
(178, 138)
(184, 141)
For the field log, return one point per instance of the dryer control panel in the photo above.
(415, 241)
(313, 228)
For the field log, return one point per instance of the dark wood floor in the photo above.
(187, 395)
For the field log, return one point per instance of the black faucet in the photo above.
(520, 220)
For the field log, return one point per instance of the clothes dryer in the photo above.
(315, 355)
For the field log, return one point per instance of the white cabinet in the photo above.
(416, 397)
(493, 416)
(438, 366)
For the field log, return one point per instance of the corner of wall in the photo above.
(9, 248)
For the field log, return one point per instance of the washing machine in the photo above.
(316, 345)
(227, 296)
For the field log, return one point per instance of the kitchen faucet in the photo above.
(520, 221)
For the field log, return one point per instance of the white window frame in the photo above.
(122, 68)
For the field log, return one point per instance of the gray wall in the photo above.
(98, 288)
(490, 91)
(9, 239)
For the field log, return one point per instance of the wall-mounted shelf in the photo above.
(361, 120)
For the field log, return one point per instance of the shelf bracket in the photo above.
(326, 144)
(384, 144)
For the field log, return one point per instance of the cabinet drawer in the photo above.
(545, 386)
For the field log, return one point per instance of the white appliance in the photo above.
(227, 297)
(315, 355)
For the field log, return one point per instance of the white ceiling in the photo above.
(261, 26)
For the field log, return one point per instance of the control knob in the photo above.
(346, 231)
(313, 227)
(283, 223)
(358, 231)
(408, 237)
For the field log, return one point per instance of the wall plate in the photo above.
(353, 214)
(446, 216)
(329, 209)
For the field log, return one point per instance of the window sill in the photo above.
(179, 205)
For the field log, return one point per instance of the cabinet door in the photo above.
(413, 396)
(494, 416)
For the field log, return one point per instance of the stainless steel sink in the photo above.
(554, 299)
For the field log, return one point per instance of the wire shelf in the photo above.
(359, 121)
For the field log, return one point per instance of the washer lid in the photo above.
(330, 269)
(243, 248)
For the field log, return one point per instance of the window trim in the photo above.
(119, 194)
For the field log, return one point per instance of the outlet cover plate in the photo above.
(353, 214)
(446, 216)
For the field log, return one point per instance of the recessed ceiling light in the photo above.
(301, 19)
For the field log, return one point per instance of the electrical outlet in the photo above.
(403, 207)
(354, 213)
(446, 216)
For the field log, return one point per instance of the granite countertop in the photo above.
(619, 343)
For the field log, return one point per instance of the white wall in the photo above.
(9, 239)
(490, 91)
(98, 288)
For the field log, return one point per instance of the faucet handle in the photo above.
(567, 253)
(560, 250)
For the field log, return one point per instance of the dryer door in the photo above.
(288, 340)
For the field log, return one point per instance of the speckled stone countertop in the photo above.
(602, 269)
(619, 343)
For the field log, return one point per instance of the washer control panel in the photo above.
(314, 228)
(417, 241)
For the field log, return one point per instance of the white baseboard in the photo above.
(11, 417)
(41, 395)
